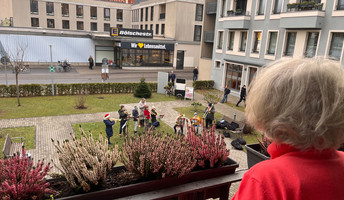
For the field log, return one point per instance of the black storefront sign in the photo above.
(131, 32)
(147, 45)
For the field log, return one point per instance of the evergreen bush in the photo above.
(142, 90)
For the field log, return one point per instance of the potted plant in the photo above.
(152, 161)
(319, 6)
(238, 11)
(230, 12)
(293, 5)
(257, 152)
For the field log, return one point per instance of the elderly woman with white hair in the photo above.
(299, 105)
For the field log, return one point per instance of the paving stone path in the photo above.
(60, 127)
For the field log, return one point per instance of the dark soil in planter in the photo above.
(118, 177)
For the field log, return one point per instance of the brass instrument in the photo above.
(208, 111)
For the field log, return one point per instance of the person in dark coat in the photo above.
(91, 62)
(154, 113)
(108, 124)
(172, 77)
(123, 117)
(195, 74)
(225, 95)
(242, 95)
(209, 113)
(135, 114)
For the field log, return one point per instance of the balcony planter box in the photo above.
(230, 12)
(254, 154)
(143, 187)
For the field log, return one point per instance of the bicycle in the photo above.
(168, 90)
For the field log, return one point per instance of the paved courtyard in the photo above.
(60, 127)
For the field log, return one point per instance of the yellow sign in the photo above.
(140, 45)
(114, 31)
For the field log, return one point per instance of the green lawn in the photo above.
(99, 128)
(65, 105)
(27, 132)
(189, 111)
(231, 104)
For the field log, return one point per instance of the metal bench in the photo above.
(11, 148)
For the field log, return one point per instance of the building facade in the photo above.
(175, 24)
(250, 34)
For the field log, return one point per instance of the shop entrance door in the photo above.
(117, 60)
(180, 60)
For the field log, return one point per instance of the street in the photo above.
(82, 74)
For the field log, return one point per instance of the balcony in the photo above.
(208, 36)
(162, 16)
(236, 20)
(302, 20)
(211, 8)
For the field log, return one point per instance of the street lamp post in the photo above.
(51, 67)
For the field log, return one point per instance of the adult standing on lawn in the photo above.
(135, 114)
(242, 95)
(195, 74)
(173, 77)
(108, 126)
(225, 94)
(298, 105)
(209, 113)
(154, 113)
(123, 117)
(142, 105)
(91, 62)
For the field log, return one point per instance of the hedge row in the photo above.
(203, 85)
(30, 90)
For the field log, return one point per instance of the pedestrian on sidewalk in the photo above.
(135, 114)
(108, 126)
(142, 105)
(195, 74)
(173, 78)
(225, 94)
(242, 95)
(91, 62)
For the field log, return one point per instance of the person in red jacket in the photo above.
(298, 105)
(146, 117)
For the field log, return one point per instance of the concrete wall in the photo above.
(204, 69)
(6, 9)
(191, 55)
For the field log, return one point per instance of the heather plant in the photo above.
(20, 179)
(153, 155)
(211, 150)
(85, 161)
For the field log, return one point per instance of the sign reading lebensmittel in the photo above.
(147, 45)
(131, 32)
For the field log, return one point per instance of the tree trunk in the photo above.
(17, 84)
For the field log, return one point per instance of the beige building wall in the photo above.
(22, 16)
(204, 69)
(191, 54)
(5, 9)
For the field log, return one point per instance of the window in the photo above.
(252, 74)
(146, 14)
(146, 27)
(141, 27)
(257, 42)
(243, 40)
(106, 27)
(340, 5)
(119, 25)
(277, 6)
(197, 33)
(93, 12)
(79, 11)
(233, 76)
(93, 26)
(65, 10)
(106, 13)
(217, 64)
(162, 29)
(162, 8)
(289, 49)
(151, 27)
(272, 43)
(65, 24)
(34, 6)
(152, 13)
(261, 7)
(199, 12)
(230, 40)
(141, 14)
(50, 8)
(220, 40)
(34, 22)
(157, 29)
(223, 8)
(50, 23)
(119, 15)
(79, 25)
(336, 45)
(312, 43)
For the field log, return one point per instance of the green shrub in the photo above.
(143, 90)
(201, 85)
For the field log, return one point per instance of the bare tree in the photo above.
(17, 62)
